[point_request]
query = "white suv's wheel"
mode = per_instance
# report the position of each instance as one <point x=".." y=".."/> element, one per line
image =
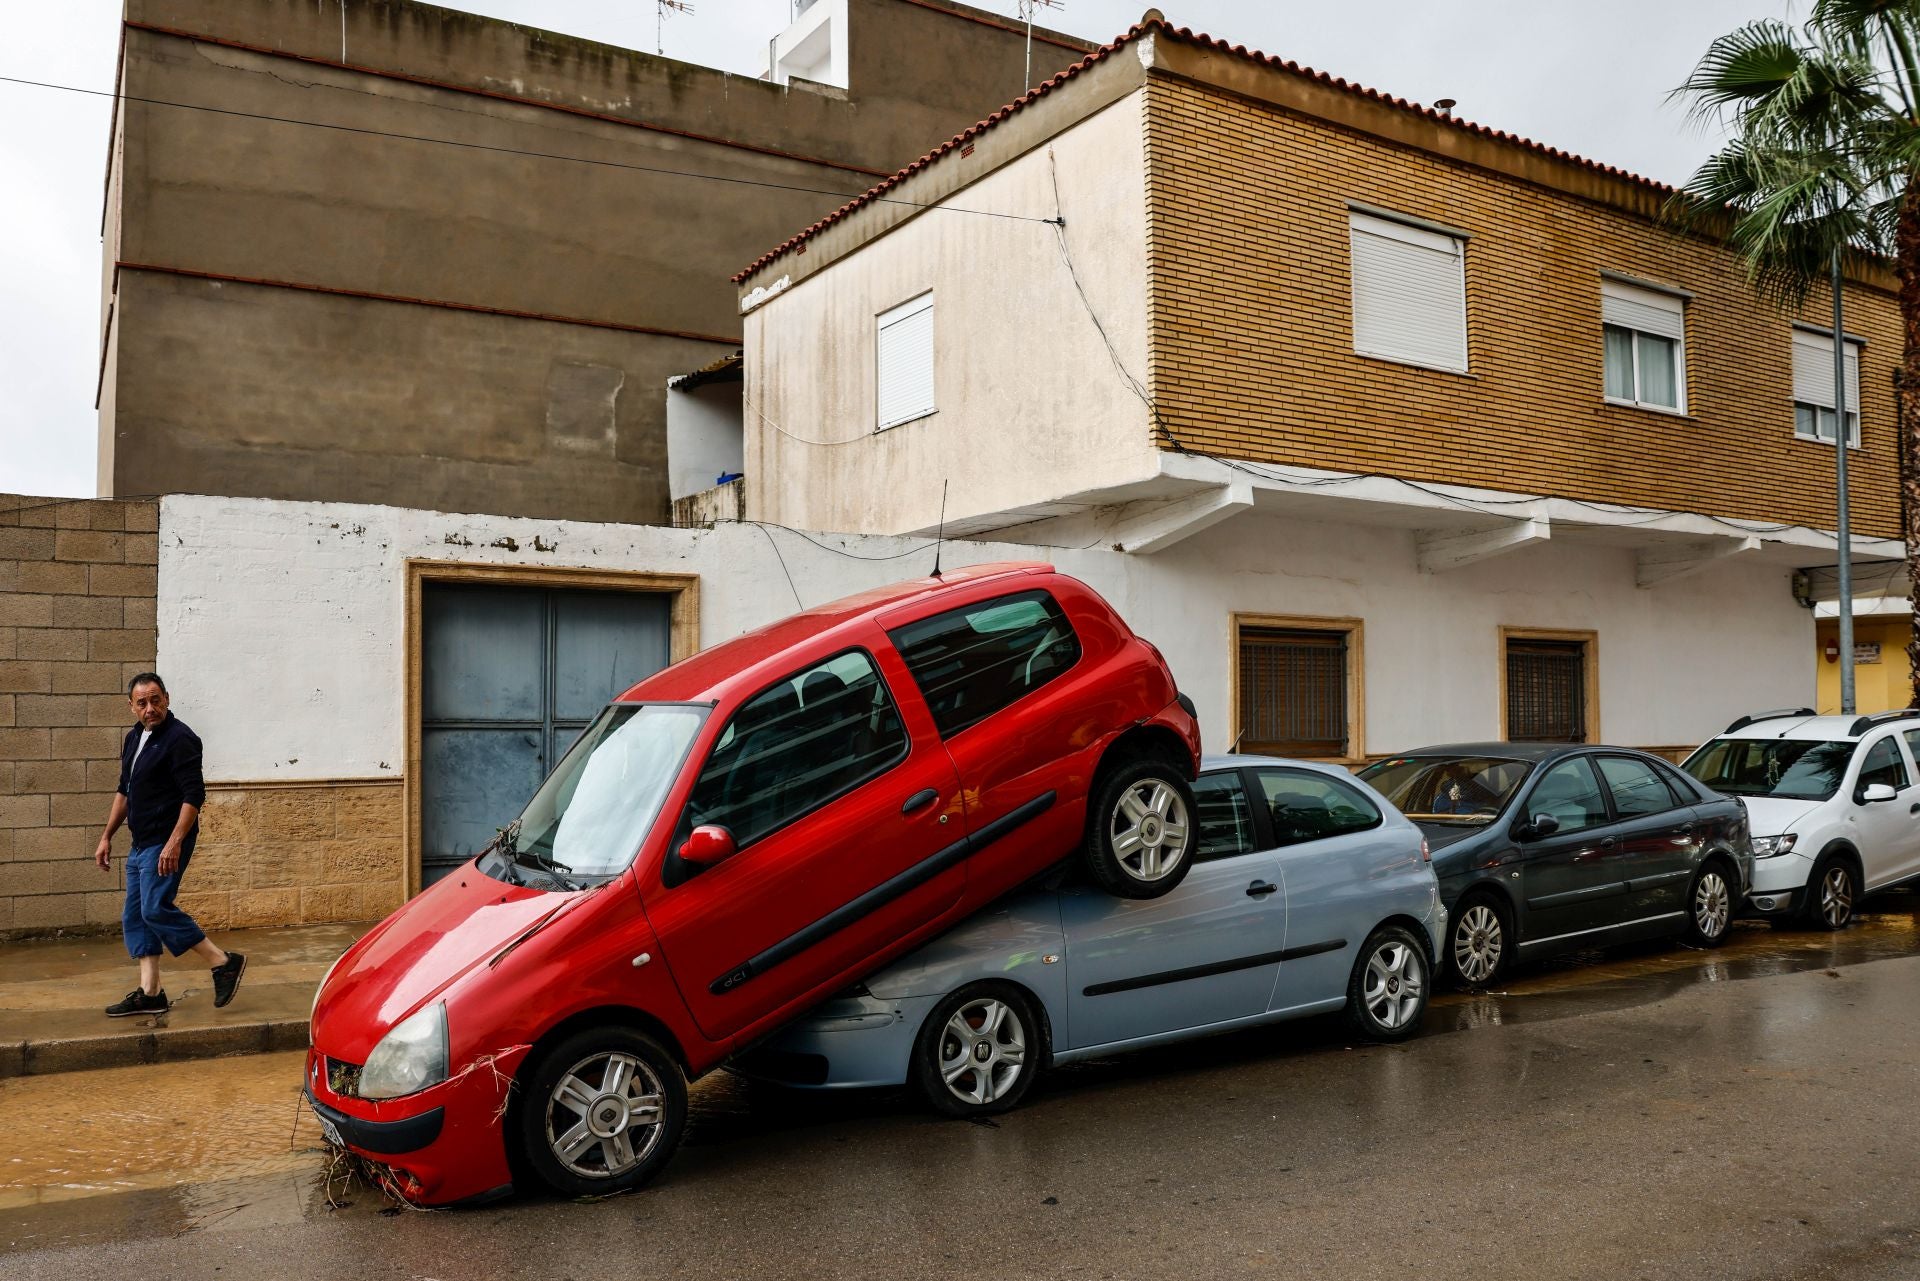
<point x="1831" y="894"/>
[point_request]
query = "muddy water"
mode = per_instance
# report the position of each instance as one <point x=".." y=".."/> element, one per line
<point x="129" y="1153"/>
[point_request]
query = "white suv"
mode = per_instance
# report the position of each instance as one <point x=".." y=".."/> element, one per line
<point x="1834" y="803"/>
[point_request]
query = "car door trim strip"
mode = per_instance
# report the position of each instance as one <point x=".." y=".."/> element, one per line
<point x="1601" y="929"/>
<point x="882" y="894"/>
<point x="1209" y="970"/>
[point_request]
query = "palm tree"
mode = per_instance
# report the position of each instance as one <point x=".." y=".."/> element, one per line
<point x="1823" y="162"/>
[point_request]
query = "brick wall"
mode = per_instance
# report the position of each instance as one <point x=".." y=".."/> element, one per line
<point x="1252" y="335"/>
<point x="286" y="854"/>
<point x="77" y="583"/>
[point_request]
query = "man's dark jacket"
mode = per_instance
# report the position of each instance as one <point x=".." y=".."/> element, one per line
<point x="166" y="776"/>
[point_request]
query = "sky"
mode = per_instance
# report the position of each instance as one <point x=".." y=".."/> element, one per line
<point x="1591" y="79"/>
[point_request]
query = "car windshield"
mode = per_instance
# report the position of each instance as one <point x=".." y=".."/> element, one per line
<point x="588" y="819"/>
<point x="1468" y="790"/>
<point x="1795" y="769"/>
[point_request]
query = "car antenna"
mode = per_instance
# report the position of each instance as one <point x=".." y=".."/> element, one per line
<point x="942" y="535"/>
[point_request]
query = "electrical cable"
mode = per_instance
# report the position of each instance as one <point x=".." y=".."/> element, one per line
<point x="513" y="151"/>
<point x="783" y="569"/>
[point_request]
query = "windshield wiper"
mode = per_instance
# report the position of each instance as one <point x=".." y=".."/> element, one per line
<point x="510" y="842"/>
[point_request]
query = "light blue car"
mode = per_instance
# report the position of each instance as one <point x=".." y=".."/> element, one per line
<point x="1309" y="893"/>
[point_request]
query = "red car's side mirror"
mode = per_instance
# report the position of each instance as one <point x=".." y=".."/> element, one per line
<point x="706" y="845"/>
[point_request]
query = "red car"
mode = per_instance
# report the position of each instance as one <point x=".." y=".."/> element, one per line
<point x="733" y="840"/>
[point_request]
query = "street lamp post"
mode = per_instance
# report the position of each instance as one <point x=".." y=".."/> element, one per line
<point x="1840" y="434"/>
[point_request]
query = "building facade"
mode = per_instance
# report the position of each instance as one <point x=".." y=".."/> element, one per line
<point x="1199" y="305"/>
<point x="378" y="251"/>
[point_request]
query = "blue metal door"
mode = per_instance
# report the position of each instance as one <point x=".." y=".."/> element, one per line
<point x="509" y="678"/>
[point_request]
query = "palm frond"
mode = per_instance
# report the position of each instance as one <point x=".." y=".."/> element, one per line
<point x="1750" y="62"/>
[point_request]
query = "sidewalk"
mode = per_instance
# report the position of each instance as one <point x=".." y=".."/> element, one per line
<point x="53" y="992"/>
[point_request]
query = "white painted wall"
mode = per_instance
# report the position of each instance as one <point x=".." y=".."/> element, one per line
<point x="1029" y="407"/>
<point x="281" y="624"/>
<point x="703" y="436"/>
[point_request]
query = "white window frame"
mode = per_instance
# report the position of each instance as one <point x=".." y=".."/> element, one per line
<point x="1645" y="296"/>
<point x="886" y="320"/>
<point x="1856" y="349"/>
<point x="1366" y="220"/>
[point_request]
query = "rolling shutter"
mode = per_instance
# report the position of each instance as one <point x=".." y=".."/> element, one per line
<point x="1813" y="371"/>
<point x="904" y="363"/>
<point x="1409" y="294"/>
<point x="1646" y="310"/>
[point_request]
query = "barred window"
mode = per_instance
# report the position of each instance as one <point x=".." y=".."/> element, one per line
<point x="1295" y="695"/>
<point x="1546" y="690"/>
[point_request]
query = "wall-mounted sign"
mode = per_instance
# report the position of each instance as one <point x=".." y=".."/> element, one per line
<point x="1866" y="652"/>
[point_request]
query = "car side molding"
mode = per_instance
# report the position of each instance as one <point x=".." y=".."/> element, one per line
<point x="882" y="894"/>
<point x="1209" y="970"/>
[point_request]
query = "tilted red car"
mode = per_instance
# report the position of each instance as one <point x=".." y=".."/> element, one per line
<point x="733" y="840"/>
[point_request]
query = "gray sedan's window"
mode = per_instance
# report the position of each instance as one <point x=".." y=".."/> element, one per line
<point x="1637" y="790"/>
<point x="1226" y="819"/>
<point x="1571" y="794"/>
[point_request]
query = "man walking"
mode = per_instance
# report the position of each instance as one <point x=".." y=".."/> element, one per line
<point x="159" y="798"/>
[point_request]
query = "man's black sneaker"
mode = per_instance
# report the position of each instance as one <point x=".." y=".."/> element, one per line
<point x="226" y="978"/>
<point x="138" y="1002"/>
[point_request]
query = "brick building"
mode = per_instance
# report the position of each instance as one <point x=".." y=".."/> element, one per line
<point x="1421" y="430"/>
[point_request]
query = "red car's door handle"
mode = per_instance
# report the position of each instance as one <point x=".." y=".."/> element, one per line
<point x="919" y="800"/>
<point x="1259" y="888"/>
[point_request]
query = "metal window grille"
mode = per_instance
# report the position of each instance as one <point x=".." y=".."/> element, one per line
<point x="1293" y="692"/>
<point x="1546" y="691"/>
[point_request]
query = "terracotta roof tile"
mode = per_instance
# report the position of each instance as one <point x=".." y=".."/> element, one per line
<point x="1155" y="23"/>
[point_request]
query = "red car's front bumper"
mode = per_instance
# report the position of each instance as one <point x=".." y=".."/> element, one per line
<point x="445" y="1144"/>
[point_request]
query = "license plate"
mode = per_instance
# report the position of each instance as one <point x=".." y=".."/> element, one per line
<point x="331" y="1131"/>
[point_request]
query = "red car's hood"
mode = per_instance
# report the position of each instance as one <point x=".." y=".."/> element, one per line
<point x="432" y="940"/>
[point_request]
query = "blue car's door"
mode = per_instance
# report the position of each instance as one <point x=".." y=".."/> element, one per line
<point x="1205" y="953"/>
<point x="1339" y="861"/>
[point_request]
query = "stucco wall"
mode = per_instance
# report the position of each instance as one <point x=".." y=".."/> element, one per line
<point x="1028" y="404"/>
<point x="316" y="590"/>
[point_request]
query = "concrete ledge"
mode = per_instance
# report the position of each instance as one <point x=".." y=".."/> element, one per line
<point x="151" y="1045"/>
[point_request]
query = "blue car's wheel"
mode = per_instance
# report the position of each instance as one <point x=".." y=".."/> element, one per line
<point x="980" y="1050"/>
<point x="1387" y="995"/>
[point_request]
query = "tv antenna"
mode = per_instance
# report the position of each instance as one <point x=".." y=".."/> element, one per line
<point x="1027" y="8"/>
<point x="660" y="11"/>
<point x="941" y="537"/>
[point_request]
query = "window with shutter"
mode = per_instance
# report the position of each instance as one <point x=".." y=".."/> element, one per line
<point x="903" y="363"/>
<point x="1547" y="683"/>
<point x="1645" y="344"/>
<point x="1409" y="294"/>
<point x="1296" y="694"/>
<point x="1813" y="386"/>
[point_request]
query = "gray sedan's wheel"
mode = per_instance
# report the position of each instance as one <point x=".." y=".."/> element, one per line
<point x="1140" y="831"/>
<point x="1479" y="942"/>
<point x="1387" y="994"/>
<point x="602" y="1112"/>
<point x="1830" y="895"/>
<point x="980" y="1050"/>
<point x="1709" y="907"/>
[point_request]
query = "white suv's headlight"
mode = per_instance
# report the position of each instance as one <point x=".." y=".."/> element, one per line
<point x="409" y="1058"/>
<point x="1770" y="846"/>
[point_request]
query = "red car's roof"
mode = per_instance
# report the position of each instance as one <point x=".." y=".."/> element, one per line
<point x="710" y="673"/>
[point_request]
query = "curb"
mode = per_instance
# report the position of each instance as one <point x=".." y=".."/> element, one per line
<point x="156" y="1045"/>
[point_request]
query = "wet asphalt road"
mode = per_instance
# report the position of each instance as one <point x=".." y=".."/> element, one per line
<point x="1652" y="1112"/>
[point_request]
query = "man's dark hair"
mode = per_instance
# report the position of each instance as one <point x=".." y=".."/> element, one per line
<point x="146" y="678"/>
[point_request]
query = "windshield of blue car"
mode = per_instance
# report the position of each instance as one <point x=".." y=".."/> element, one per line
<point x="1794" y="769"/>
<point x="588" y="819"/>
<point x="1468" y="790"/>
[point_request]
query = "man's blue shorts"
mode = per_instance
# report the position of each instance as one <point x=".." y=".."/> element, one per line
<point x="150" y="921"/>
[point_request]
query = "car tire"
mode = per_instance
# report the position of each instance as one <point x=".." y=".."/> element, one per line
<point x="1387" y="994"/>
<point x="1480" y="942"/>
<point x="980" y="1050"/>
<point x="1832" y="892"/>
<point x="1142" y="829"/>
<point x="1709" y="905"/>
<point x="602" y="1112"/>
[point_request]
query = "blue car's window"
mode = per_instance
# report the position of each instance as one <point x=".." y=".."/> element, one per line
<point x="1226" y="819"/>
<point x="1307" y="806"/>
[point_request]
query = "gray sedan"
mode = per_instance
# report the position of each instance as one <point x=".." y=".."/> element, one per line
<point x="1309" y="893"/>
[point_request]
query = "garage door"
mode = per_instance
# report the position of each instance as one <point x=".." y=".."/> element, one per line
<point x="509" y="678"/>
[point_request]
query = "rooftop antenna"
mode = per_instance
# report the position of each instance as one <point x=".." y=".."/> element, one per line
<point x="1026" y="13"/>
<point x="942" y="536"/>
<point x="660" y="8"/>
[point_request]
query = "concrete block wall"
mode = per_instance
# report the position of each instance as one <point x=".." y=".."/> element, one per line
<point x="297" y="854"/>
<point x="77" y="591"/>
